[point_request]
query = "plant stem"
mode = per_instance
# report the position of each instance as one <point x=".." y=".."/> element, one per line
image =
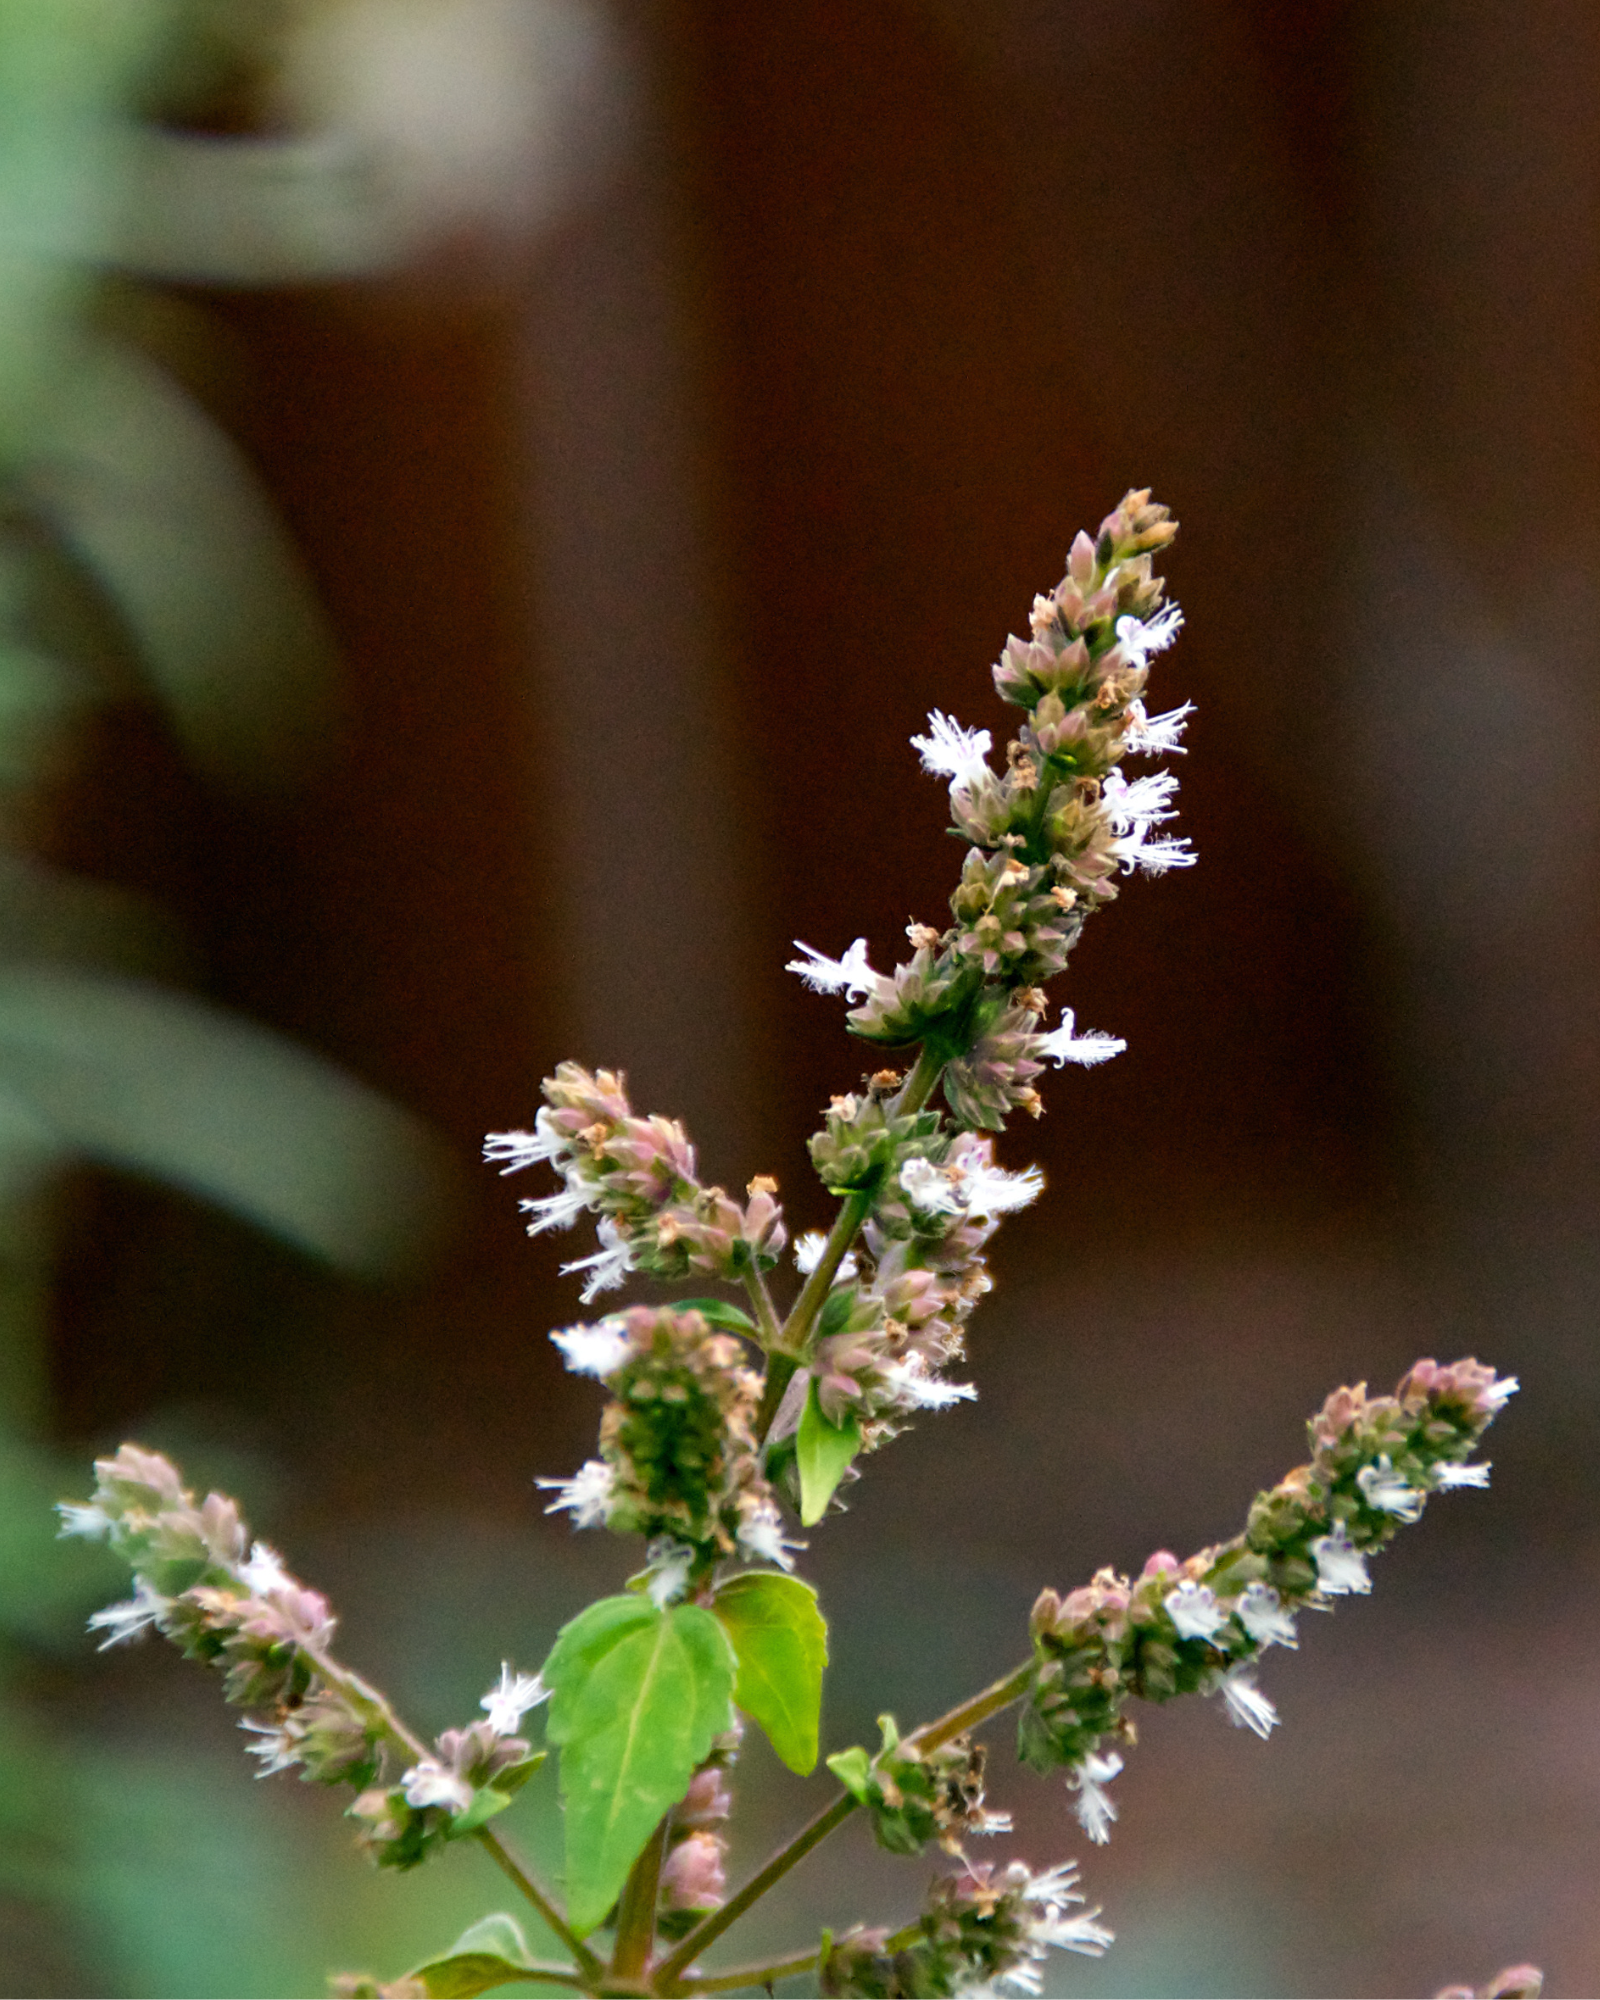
<point x="366" y="1700"/>
<point x="494" y="1844"/>
<point x="713" y="1926"/>
<point x="636" y="1912"/>
<point x="967" y="1715"/>
<point x="752" y="1975"/>
<point x="766" y="1313"/>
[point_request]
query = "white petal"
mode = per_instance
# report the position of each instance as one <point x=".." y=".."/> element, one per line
<point x="522" y="1149"/>
<point x="1139" y="638"/>
<point x="1194" y="1610"/>
<point x="850" y="974"/>
<point x="1341" y="1568"/>
<point x="1157" y="735"/>
<point x="1382" y="1487"/>
<point x="430" y="1784"/>
<point x="586" y="1495"/>
<point x="593" y="1350"/>
<point x="952" y="752"/>
<point x="557" y="1211"/>
<point x="509" y="1700"/>
<point x="1063" y="1046"/>
<point x="1248" y="1707"/>
<point x="1448" y="1477"/>
<point x="1260" y="1611"/>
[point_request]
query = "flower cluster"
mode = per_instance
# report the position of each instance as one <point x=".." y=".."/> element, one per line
<point x="897" y="1319"/>
<point x="199" y="1581"/>
<point x="987" y="1929"/>
<point x="638" y="1176"/>
<point x="694" y="1872"/>
<point x="914" y="1796"/>
<point x="1049" y="834"/>
<point x="1199" y="1626"/>
<point x="678" y="1459"/>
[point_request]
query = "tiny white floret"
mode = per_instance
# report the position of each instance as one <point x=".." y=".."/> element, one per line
<point x="430" y="1784"/>
<point x="609" y="1265"/>
<point x="125" y="1621"/>
<point x="950" y="751"/>
<point x="1194" y="1610"/>
<point x="850" y="974"/>
<point x="1095" y="1808"/>
<point x="509" y="1700"/>
<point x="1448" y="1477"/>
<point x="808" y="1251"/>
<point x="1341" y="1567"/>
<point x="1261" y="1612"/>
<point x="586" y="1496"/>
<point x="1063" y="1045"/>
<point x="1384" y="1488"/>
<point x="593" y="1350"/>
<point x="1140" y="637"/>
<point x="1248" y="1707"/>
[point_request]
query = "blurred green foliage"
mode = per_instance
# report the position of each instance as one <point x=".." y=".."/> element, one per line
<point x="138" y="558"/>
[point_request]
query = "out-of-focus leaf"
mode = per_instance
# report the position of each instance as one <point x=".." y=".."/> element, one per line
<point x="717" y="1312"/>
<point x="166" y="514"/>
<point x="251" y="211"/>
<point x="165" y="1085"/>
<point x="48" y="914"/>
<point x="492" y="1952"/>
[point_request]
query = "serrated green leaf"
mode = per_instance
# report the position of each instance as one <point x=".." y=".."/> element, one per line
<point x="492" y="1952"/>
<point x="719" y="1313"/>
<point x="781" y="1641"/>
<point x="639" y="1695"/>
<point x="850" y="1767"/>
<point x="824" y="1452"/>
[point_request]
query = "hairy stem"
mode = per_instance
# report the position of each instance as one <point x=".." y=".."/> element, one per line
<point x="636" y="1912"/>
<point x="766" y="1313"/>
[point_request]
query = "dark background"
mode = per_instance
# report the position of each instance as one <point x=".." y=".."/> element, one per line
<point x="649" y="536"/>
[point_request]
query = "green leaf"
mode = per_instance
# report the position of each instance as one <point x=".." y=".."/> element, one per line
<point x="639" y="1693"/>
<point x="493" y="1952"/>
<point x="719" y="1313"/>
<point x="850" y="1767"/>
<point x="824" y="1451"/>
<point x="487" y="1800"/>
<point x="781" y="1641"/>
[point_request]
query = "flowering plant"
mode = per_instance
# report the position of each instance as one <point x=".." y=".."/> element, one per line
<point x="724" y="1423"/>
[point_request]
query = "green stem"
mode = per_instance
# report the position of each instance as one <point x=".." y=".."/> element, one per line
<point x="766" y="1313"/>
<point x="365" y="1700"/>
<point x="967" y="1715"/>
<point x="636" y="1913"/>
<point x="712" y="1927"/>
<point x="752" y="1975"/>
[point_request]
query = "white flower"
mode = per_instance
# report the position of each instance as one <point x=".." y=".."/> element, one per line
<point x="1248" y="1707"/>
<point x="593" y="1350"/>
<point x="1499" y="1393"/>
<point x="264" y="1571"/>
<point x="1447" y="1477"/>
<point x="586" y="1495"/>
<point x="524" y="1149"/>
<point x="1341" y="1568"/>
<point x="430" y="1784"/>
<point x="1146" y="802"/>
<point x="1194" y="1610"/>
<point x="850" y="974"/>
<point x="509" y="1700"/>
<point x="988" y="1190"/>
<point x="911" y="1384"/>
<point x="669" y="1563"/>
<point x="1156" y="735"/>
<point x="950" y="751"/>
<point x="557" y="1211"/>
<point x="808" y="1251"/>
<point x="762" y="1538"/>
<point x="929" y="1189"/>
<point x="1155" y="857"/>
<point x="1063" y="1046"/>
<point x="1095" y="1809"/>
<point x="88" y="1520"/>
<point x="277" y="1748"/>
<point x="121" y="1622"/>
<point x="1260" y="1611"/>
<point x="1382" y="1487"/>
<point x="608" y="1266"/>
<point x="1139" y="637"/>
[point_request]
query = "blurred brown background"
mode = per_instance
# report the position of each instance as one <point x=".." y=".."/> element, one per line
<point x="650" y="529"/>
